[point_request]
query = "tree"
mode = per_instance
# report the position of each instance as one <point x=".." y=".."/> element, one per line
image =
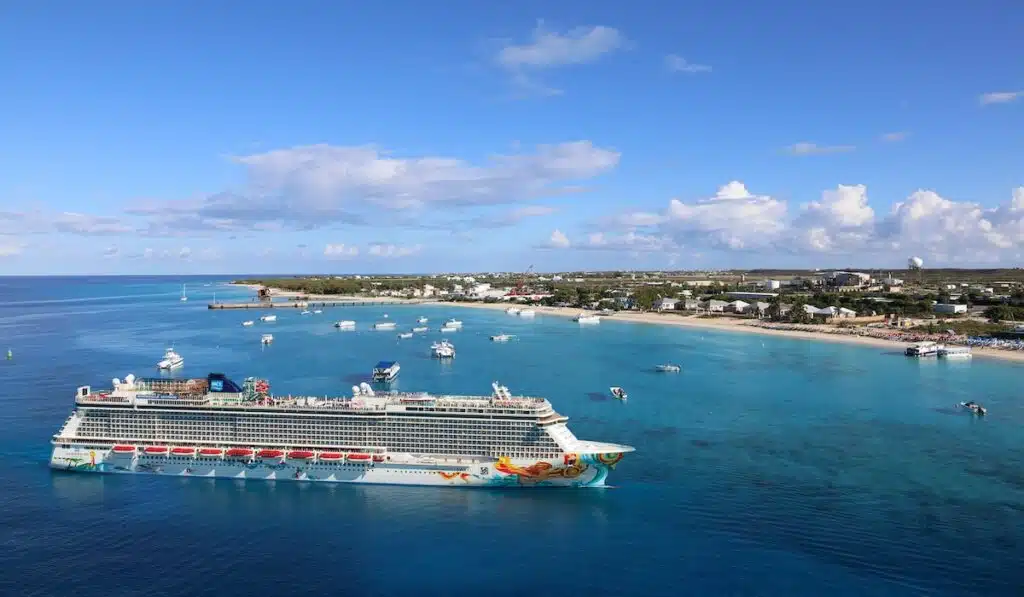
<point x="645" y="296"/>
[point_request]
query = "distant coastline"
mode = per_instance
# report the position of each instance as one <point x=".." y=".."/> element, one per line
<point x="745" y="326"/>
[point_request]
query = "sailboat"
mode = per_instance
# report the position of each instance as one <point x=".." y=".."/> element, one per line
<point x="183" y="297"/>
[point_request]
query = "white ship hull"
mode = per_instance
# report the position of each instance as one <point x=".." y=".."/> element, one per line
<point x="587" y="470"/>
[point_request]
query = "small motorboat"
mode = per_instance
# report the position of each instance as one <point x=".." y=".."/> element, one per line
<point x="345" y="325"/>
<point x="317" y="311"/>
<point x="421" y="320"/>
<point x="618" y="393"/>
<point x="171" y="360"/>
<point x="405" y="335"/>
<point x="267" y="338"/>
<point x="306" y="312"/>
<point x="443" y="350"/>
<point x="453" y="323"/>
<point x="266" y="318"/>
<point x="420" y="329"/>
<point x="974" y="407"/>
<point x="248" y="323"/>
<point x="501" y="338"/>
<point x="669" y="368"/>
<point x="384" y="325"/>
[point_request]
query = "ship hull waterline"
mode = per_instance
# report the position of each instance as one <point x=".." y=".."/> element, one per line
<point x="588" y="470"/>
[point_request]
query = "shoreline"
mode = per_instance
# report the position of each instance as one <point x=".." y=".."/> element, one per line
<point x="742" y="326"/>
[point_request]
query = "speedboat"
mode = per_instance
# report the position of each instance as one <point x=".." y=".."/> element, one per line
<point x="419" y="330"/>
<point x="453" y="323"/>
<point x="171" y="360"/>
<point x="405" y="335"/>
<point x="386" y="371"/>
<point x="669" y="368"/>
<point x="345" y="325"/>
<point x="501" y="338"/>
<point x="443" y="349"/>
<point x="306" y="312"/>
<point x="974" y="407"/>
<point x="267" y="338"/>
<point x="449" y="328"/>
<point x="421" y="320"/>
<point x="317" y="311"/>
<point x="248" y="323"/>
<point x="384" y="325"/>
<point x="527" y="313"/>
<point x="584" y="318"/>
<point x="618" y="393"/>
<point x="268" y="318"/>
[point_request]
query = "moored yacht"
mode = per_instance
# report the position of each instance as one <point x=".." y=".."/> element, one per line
<point x="421" y="320"/>
<point x="955" y="352"/>
<point x="453" y="323"/>
<point x="267" y="338"/>
<point x="502" y="338"/>
<point x="248" y="323"/>
<point x="345" y="325"/>
<point x="922" y="349"/>
<point x="384" y="325"/>
<point x="420" y="329"/>
<point x="268" y="318"/>
<point x="668" y="368"/>
<point x="585" y="318"/>
<point x="442" y="350"/>
<point x="171" y="360"/>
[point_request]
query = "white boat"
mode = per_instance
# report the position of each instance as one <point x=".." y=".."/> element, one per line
<point x="268" y="318"/>
<point x="512" y="310"/>
<point x="345" y="325"/>
<point x="974" y="407"/>
<point x="419" y="330"/>
<point x="306" y="312"/>
<point x="183" y="297"/>
<point x="669" y="368"/>
<point x="247" y="323"/>
<point x="922" y="349"/>
<point x="955" y="352"/>
<point x="171" y="360"/>
<point x="443" y="349"/>
<point x="453" y="323"/>
<point x="386" y="371"/>
<point x="384" y="325"/>
<point x="527" y="313"/>
<point x="502" y="338"/>
<point x="421" y="320"/>
<point x="448" y="328"/>
<point x="618" y="393"/>
<point x="584" y="318"/>
<point x="267" y="338"/>
<point x="317" y="311"/>
<point x="405" y="335"/>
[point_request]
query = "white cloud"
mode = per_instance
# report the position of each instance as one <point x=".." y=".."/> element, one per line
<point x="185" y="253"/>
<point x="895" y="137"/>
<point x="841" y="219"/>
<point x="558" y="239"/>
<point x="678" y="64"/>
<point x="386" y="250"/>
<point x="111" y="252"/>
<point x="550" y="49"/>
<point x="806" y="148"/>
<point x="340" y="251"/>
<point x="999" y="97"/>
<point x="509" y="218"/>
<point x="11" y="249"/>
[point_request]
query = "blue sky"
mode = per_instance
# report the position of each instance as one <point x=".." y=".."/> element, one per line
<point x="196" y="137"/>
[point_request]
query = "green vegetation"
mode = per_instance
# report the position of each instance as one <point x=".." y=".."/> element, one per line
<point x="333" y="285"/>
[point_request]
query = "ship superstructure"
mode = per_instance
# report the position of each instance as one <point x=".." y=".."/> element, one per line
<point x="214" y="427"/>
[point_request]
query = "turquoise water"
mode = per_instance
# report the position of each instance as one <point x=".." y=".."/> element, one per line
<point x="768" y="466"/>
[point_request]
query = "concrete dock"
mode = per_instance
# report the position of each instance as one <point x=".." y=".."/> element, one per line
<point x="308" y="304"/>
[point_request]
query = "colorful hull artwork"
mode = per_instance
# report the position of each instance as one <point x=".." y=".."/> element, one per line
<point x="572" y="470"/>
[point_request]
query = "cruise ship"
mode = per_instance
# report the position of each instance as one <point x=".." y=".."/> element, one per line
<point x="213" y="427"/>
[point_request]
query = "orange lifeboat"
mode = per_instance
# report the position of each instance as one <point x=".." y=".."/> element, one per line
<point x="356" y="456"/>
<point x="124" y="449"/>
<point x="330" y="455"/>
<point x="210" y="451"/>
<point x="270" y="453"/>
<point x="239" y="452"/>
<point x="156" y="449"/>
<point x="300" y="454"/>
<point x="378" y="458"/>
<point x="183" y="451"/>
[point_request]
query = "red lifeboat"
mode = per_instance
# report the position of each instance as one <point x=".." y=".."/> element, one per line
<point x="210" y="451"/>
<point x="156" y="449"/>
<point x="182" y="451"/>
<point x="378" y="458"/>
<point x="356" y="456"/>
<point x="239" y="452"/>
<point x="124" y="449"/>
<point x="300" y="454"/>
<point x="270" y="453"/>
<point x="331" y="455"/>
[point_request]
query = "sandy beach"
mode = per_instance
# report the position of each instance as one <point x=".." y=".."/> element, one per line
<point x="725" y="324"/>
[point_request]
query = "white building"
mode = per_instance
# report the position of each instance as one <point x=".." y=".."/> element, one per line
<point x="950" y="308"/>
<point x="771" y="284"/>
<point x="738" y="307"/>
<point x="665" y="304"/>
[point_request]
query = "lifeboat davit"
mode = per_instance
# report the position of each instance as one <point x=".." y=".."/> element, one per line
<point x="270" y="453"/>
<point x="239" y="452"/>
<point x="156" y="449"/>
<point x="182" y="451"/>
<point x="358" y="456"/>
<point x="124" y="449"/>
<point x="378" y="458"/>
<point x="210" y="451"/>
<point x="300" y="454"/>
<point x="330" y="455"/>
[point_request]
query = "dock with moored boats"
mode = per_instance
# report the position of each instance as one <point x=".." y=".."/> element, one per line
<point x="308" y="304"/>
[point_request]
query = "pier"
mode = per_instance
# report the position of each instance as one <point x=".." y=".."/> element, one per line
<point x="309" y="304"/>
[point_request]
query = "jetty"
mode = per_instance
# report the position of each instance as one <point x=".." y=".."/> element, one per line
<point x="309" y="304"/>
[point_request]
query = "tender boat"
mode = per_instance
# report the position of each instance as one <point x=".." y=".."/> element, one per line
<point x="211" y="451"/>
<point x="384" y="325"/>
<point x="443" y="349"/>
<point x="453" y="323"/>
<point x="267" y="338"/>
<point x="955" y="352"/>
<point x="300" y="454"/>
<point x="669" y="368"/>
<point x="422" y="320"/>
<point x="448" y="328"/>
<point x="248" y="323"/>
<point x="618" y="393"/>
<point x="306" y="312"/>
<point x="378" y="458"/>
<point x="501" y="338"/>
<point x="974" y="407"/>
<point x="331" y="455"/>
<point x="268" y="318"/>
<point x="317" y="311"/>
<point x="527" y="313"/>
<point x="386" y="371"/>
<point x="922" y="349"/>
<point x="270" y="453"/>
<point x="359" y="457"/>
<point x="124" y="449"/>
<point x="421" y="329"/>
<point x="405" y="335"/>
<point x="171" y="360"/>
<point x="155" y="449"/>
<point x="345" y="325"/>
<point x="183" y="451"/>
<point x="239" y="452"/>
<point x="584" y="318"/>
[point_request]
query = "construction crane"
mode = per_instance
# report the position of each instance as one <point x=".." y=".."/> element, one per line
<point x="520" y="288"/>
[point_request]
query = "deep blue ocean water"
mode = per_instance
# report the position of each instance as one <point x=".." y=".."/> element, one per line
<point x="768" y="466"/>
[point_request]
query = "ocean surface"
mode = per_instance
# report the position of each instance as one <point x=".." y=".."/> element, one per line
<point x="768" y="466"/>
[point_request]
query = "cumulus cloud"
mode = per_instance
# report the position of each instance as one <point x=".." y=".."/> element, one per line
<point x="340" y="251"/>
<point x="11" y="249"/>
<point x="678" y="64"/>
<point x="807" y="148"/>
<point x="999" y="97"/>
<point x="558" y="239"/>
<point x="841" y="221"/>
<point x="551" y="49"/>
<point x="388" y="250"/>
<point x="42" y="222"/>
